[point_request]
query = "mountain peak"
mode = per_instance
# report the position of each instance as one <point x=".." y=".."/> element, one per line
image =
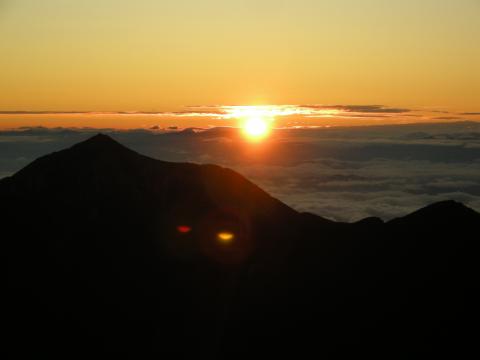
<point x="99" y="152"/>
<point x="101" y="137"/>
<point x="446" y="210"/>
<point x="103" y="168"/>
<point x="99" y="142"/>
<point x="446" y="206"/>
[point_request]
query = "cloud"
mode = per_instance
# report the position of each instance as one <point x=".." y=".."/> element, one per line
<point x="283" y="115"/>
<point x="229" y="111"/>
<point x="22" y="112"/>
<point x="341" y="173"/>
<point x="351" y="190"/>
<point x="448" y="118"/>
<point x="360" y="108"/>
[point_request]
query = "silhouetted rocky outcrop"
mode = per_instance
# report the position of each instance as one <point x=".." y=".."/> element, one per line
<point x="109" y="251"/>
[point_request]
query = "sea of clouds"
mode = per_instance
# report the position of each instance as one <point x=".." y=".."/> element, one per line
<point x="342" y="173"/>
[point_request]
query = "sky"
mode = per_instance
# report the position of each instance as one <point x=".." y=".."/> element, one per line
<point x="374" y="105"/>
<point x="163" y="56"/>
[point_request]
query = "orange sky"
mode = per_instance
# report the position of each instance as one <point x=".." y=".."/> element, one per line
<point x="115" y="55"/>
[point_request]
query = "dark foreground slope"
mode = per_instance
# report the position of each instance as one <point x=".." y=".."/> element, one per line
<point x="109" y="251"/>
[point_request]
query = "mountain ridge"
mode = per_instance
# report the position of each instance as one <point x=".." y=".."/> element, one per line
<point x="112" y="252"/>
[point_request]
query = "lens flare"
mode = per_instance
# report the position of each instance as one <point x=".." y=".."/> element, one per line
<point x="184" y="229"/>
<point x="225" y="237"/>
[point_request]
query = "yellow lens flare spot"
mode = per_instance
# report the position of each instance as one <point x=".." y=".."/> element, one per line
<point x="225" y="237"/>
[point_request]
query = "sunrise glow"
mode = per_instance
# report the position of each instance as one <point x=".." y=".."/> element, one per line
<point x="256" y="128"/>
<point x="255" y="121"/>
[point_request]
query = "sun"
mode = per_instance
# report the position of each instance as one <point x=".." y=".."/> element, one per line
<point x="256" y="127"/>
<point x="255" y="121"/>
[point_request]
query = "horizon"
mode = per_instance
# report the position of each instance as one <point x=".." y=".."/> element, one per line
<point x="281" y="116"/>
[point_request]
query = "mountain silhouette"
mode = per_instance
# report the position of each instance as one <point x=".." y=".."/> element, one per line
<point x="109" y="251"/>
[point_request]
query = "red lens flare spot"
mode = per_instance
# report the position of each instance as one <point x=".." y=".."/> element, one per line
<point x="184" y="229"/>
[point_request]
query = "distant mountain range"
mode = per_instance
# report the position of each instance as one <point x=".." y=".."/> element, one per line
<point x="109" y="251"/>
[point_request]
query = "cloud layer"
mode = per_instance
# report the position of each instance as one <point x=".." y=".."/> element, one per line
<point x="341" y="173"/>
<point x="282" y="116"/>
